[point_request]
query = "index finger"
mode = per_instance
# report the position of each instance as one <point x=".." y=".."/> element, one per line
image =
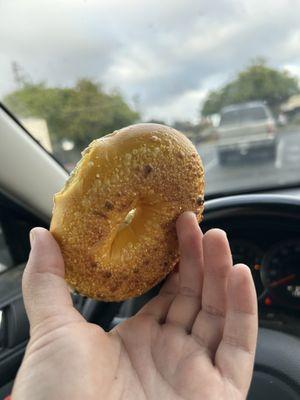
<point x="187" y="302"/>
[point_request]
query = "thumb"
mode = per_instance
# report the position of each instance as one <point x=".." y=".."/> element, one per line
<point x="46" y="294"/>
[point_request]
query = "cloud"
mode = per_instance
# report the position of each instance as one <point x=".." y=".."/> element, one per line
<point x="169" y="53"/>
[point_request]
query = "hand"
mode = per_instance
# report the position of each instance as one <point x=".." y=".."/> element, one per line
<point x="195" y="340"/>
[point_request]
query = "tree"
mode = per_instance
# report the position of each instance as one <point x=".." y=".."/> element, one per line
<point x="256" y="82"/>
<point x="80" y="114"/>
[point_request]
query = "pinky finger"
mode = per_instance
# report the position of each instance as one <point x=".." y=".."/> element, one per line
<point x="236" y="351"/>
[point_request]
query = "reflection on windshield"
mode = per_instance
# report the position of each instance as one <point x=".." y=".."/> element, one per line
<point x="183" y="69"/>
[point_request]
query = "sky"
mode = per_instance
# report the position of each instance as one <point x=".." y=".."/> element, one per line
<point x="163" y="55"/>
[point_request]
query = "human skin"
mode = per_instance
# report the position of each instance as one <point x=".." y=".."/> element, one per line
<point x="195" y="340"/>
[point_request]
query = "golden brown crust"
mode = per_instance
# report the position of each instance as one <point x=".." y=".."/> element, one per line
<point x="110" y="255"/>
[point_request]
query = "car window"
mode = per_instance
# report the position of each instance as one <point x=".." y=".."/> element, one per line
<point x="239" y="116"/>
<point x="93" y="67"/>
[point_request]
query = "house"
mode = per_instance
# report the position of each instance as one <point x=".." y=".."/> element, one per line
<point x="38" y="128"/>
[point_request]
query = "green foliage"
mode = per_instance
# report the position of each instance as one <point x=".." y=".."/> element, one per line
<point x="256" y="82"/>
<point x="81" y="113"/>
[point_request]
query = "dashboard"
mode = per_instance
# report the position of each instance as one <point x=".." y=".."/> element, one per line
<point x="275" y="268"/>
<point x="269" y="243"/>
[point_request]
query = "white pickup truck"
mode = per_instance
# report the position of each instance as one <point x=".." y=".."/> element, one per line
<point x="246" y="129"/>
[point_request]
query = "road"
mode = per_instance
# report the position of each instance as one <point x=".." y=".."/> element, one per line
<point x="253" y="173"/>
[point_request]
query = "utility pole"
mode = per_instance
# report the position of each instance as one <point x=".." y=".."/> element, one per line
<point x="18" y="73"/>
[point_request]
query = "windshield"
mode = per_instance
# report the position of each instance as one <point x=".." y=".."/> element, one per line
<point x="75" y="71"/>
<point x="242" y="115"/>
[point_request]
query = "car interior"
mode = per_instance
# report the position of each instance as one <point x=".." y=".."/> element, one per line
<point x="263" y="230"/>
<point x="226" y="74"/>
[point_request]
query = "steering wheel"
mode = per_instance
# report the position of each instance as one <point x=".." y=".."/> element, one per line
<point x="277" y="362"/>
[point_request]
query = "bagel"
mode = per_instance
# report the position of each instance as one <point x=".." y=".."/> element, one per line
<point x="114" y="220"/>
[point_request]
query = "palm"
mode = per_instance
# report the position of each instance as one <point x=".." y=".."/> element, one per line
<point x="169" y="362"/>
<point x="195" y="340"/>
<point x="169" y="365"/>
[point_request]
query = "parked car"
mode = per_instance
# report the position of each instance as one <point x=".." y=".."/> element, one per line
<point x="246" y="129"/>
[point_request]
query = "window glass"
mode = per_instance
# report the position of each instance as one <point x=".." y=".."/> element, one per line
<point x="72" y="72"/>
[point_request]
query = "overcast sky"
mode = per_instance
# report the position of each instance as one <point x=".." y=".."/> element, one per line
<point x="168" y="53"/>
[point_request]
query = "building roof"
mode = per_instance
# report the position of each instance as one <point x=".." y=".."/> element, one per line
<point x="39" y="130"/>
<point x="292" y="103"/>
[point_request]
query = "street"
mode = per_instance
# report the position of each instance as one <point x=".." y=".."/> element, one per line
<point x="253" y="173"/>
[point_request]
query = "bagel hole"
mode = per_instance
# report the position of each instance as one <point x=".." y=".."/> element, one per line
<point x="127" y="220"/>
<point x="124" y="234"/>
<point x="129" y="217"/>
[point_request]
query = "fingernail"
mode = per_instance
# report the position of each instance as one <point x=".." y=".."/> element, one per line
<point x="31" y="237"/>
<point x="190" y="213"/>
